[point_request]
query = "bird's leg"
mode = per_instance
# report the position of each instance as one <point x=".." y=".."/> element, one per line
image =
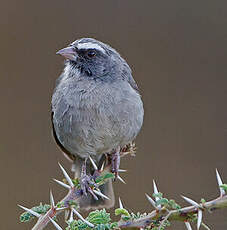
<point x="84" y="178"/>
<point x="115" y="163"/>
<point x="86" y="181"/>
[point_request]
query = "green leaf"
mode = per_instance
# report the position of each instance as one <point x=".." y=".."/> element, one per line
<point x="126" y="218"/>
<point x="203" y="200"/>
<point x="121" y="211"/>
<point x="60" y="204"/>
<point x="41" y="209"/>
<point x="113" y="225"/>
<point x="173" y="204"/>
<point x="224" y="186"/>
<point x="101" y="179"/>
<point x="76" y="181"/>
<point x="99" y="217"/>
<point x="157" y="195"/>
<point x="162" y="201"/>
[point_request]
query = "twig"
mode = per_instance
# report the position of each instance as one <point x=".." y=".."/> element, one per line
<point x="160" y="215"/>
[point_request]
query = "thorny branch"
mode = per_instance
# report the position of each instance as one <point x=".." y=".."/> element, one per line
<point x="165" y="211"/>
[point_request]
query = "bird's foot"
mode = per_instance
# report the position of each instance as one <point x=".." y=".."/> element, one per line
<point x="87" y="181"/>
<point x="130" y="149"/>
<point x="115" y="162"/>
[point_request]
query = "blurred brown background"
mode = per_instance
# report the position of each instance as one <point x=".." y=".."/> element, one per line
<point x="178" y="52"/>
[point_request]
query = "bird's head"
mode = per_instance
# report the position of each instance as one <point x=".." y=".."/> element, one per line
<point x="91" y="58"/>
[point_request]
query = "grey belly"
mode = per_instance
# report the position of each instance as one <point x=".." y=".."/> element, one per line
<point x="83" y="139"/>
<point x="94" y="135"/>
<point x="95" y="128"/>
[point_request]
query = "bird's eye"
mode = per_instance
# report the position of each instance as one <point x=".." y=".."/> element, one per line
<point x="91" y="53"/>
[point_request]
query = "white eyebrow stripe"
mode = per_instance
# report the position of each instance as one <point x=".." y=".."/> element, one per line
<point x="90" y="45"/>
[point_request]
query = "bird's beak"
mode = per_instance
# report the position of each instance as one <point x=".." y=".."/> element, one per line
<point x="68" y="53"/>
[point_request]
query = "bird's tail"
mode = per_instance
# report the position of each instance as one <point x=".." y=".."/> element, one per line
<point x="89" y="202"/>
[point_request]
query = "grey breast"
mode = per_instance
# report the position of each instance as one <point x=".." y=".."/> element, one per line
<point x="94" y="117"/>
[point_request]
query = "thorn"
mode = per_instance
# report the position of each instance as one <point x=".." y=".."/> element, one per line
<point x="59" y="209"/>
<point x="55" y="224"/>
<point x="71" y="217"/>
<point x="199" y="221"/>
<point x="92" y="193"/>
<point x="66" y="176"/>
<point x="122" y="170"/>
<point x="120" y="203"/>
<point x="120" y="179"/>
<point x="101" y="194"/>
<point x="102" y="167"/>
<point x="85" y="221"/>
<point x="192" y="202"/>
<point x="222" y="191"/>
<point x="188" y="226"/>
<point x="67" y="212"/>
<point x="93" y="163"/>
<point x="156" y="192"/>
<point x="62" y="184"/>
<point x="205" y="226"/>
<point x="52" y="200"/>
<point x="30" y="211"/>
<point x="151" y="200"/>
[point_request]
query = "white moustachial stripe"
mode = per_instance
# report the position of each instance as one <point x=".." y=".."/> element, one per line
<point x="90" y="45"/>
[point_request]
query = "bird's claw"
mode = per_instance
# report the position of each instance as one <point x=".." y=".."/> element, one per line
<point x="115" y="162"/>
<point x="87" y="181"/>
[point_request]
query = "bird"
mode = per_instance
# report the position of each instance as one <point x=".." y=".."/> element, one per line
<point x="96" y="108"/>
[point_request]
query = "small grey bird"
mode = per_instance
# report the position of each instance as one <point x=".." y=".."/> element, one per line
<point x="96" y="109"/>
